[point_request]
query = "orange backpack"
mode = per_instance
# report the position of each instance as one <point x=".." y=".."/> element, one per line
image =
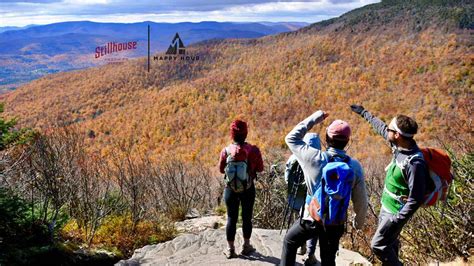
<point x="439" y="166"/>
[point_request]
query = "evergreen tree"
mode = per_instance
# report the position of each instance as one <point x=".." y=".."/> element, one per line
<point x="9" y="135"/>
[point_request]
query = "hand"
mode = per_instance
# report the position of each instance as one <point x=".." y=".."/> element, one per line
<point x="325" y="115"/>
<point x="358" y="109"/>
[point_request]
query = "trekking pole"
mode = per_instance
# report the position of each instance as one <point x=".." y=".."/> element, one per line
<point x="284" y="217"/>
<point x="287" y="208"/>
<point x="295" y="192"/>
<point x="293" y="199"/>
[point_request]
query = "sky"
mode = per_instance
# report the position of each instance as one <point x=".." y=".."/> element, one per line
<point x="27" y="12"/>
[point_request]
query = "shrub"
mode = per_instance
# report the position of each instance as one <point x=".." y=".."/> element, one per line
<point x="19" y="230"/>
<point x="270" y="201"/>
<point x="117" y="231"/>
<point x="221" y="209"/>
<point x="176" y="187"/>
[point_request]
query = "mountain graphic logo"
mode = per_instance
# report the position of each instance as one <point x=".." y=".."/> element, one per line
<point x="176" y="46"/>
<point x="176" y="52"/>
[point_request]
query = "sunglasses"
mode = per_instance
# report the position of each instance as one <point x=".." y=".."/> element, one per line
<point x="391" y="130"/>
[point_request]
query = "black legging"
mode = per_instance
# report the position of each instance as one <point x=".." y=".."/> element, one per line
<point x="232" y="201"/>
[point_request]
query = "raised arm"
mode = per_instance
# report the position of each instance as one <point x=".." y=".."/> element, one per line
<point x="379" y="126"/>
<point x="295" y="142"/>
<point x="308" y="157"/>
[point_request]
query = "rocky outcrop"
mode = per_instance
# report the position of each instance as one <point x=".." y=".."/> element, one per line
<point x="205" y="248"/>
<point x="198" y="225"/>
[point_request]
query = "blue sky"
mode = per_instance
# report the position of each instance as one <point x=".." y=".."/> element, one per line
<point x="25" y="12"/>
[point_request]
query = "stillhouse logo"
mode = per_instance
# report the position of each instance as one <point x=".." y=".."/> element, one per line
<point x="113" y="47"/>
<point x="109" y="52"/>
<point x="176" y="51"/>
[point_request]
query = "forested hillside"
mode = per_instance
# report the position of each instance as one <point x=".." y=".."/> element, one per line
<point x="390" y="57"/>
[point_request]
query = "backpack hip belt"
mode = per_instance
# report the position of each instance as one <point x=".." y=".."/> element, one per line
<point x="402" y="198"/>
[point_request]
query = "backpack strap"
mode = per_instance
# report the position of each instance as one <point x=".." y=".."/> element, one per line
<point x="229" y="159"/>
<point x="228" y="152"/>
<point x="327" y="156"/>
<point x="408" y="160"/>
<point x="402" y="199"/>
<point x="331" y="158"/>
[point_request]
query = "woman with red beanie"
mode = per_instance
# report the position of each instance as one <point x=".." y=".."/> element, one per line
<point x="240" y="151"/>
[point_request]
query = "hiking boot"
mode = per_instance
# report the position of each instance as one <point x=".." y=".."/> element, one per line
<point x="230" y="253"/>
<point x="310" y="260"/>
<point x="302" y="249"/>
<point x="247" y="250"/>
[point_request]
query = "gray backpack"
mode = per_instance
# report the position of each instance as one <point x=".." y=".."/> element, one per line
<point x="236" y="173"/>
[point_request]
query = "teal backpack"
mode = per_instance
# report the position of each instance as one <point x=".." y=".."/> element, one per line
<point x="236" y="173"/>
<point x="330" y="200"/>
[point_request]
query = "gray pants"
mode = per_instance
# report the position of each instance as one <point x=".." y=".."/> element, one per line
<point x="385" y="243"/>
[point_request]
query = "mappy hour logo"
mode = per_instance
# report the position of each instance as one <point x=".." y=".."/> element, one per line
<point x="176" y="51"/>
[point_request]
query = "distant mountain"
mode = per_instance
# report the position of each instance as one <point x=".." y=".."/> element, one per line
<point x="3" y="29"/>
<point x="29" y="53"/>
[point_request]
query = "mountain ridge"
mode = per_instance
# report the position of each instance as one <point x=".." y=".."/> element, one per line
<point x="440" y="13"/>
<point x="30" y="53"/>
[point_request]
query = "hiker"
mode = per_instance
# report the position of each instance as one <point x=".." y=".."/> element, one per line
<point x="313" y="162"/>
<point x="405" y="183"/>
<point x="297" y="193"/>
<point x="240" y="162"/>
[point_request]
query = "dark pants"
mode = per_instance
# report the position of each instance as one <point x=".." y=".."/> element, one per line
<point x="232" y="201"/>
<point x="312" y="242"/>
<point x="300" y="232"/>
<point x="385" y="243"/>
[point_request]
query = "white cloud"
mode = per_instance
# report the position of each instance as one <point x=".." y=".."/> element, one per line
<point x="87" y="2"/>
<point x="297" y="7"/>
<point x="117" y="11"/>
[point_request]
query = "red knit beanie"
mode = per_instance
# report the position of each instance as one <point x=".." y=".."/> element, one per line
<point x="238" y="130"/>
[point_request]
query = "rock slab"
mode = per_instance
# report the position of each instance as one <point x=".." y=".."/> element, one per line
<point x="206" y="248"/>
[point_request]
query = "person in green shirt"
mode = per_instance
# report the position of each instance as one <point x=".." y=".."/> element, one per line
<point x="405" y="183"/>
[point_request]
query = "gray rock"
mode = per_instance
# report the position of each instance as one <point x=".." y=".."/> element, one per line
<point x="200" y="224"/>
<point x="192" y="213"/>
<point x="206" y="249"/>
